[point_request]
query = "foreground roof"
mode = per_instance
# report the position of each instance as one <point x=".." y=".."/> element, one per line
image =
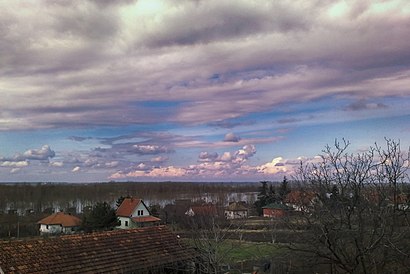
<point x="61" y="218"/>
<point x="128" y="206"/>
<point x="119" y="251"/>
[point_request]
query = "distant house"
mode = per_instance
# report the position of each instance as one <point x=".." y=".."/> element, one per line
<point x="300" y="200"/>
<point x="236" y="210"/>
<point x="142" y="250"/>
<point x="205" y="210"/>
<point x="134" y="213"/>
<point x="275" y="210"/>
<point x="59" y="223"/>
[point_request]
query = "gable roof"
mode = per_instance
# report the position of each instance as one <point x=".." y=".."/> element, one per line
<point x="236" y="207"/>
<point x="205" y="210"/>
<point x="60" y="218"/>
<point x="117" y="251"/>
<point x="128" y="206"/>
<point x="300" y="197"/>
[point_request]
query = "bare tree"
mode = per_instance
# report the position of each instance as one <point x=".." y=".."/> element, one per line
<point x="357" y="223"/>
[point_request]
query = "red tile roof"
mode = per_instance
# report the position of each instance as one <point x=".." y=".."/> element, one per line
<point x="204" y="210"/>
<point x="146" y="219"/>
<point x="118" y="251"/>
<point x="300" y="197"/>
<point x="61" y="218"/>
<point x="236" y="207"/>
<point x="128" y="206"/>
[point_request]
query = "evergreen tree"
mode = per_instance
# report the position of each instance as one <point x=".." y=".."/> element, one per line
<point x="120" y="200"/>
<point x="101" y="217"/>
<point x="265" y="196"/>
<point x="284" y="190"/>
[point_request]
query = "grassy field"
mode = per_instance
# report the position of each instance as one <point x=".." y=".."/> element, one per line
<point x="239" y="251"/>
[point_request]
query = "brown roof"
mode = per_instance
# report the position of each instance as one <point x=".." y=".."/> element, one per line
<point x="118" y="251"/>
<point x="236" y="207"/>
<point x="300" y="197"/>
<point x="146" y="219"/>
<point x="60" y="218"/>
<point x="204" y="210"/>
<point x="128" y="206"/>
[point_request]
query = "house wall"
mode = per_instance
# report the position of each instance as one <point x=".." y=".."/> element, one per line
<point x="123" y="223"/>
<point x="140" y="207"/>
<point x="57" y="229"/>
<point x="50" y="229"/>
<point x="235" y="214"/>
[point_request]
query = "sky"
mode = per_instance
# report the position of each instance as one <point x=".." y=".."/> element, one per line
<point x="192" y="90"/>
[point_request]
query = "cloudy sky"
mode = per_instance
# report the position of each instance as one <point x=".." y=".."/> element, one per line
<point x="210" y="90"/>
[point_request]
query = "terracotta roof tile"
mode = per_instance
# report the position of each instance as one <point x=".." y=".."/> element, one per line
<point x="61" y="218"/>
<point x="204" y="210"/>
<point x="236" y="207"/>
<point x="128" y="206"/>
<point x="146" y="219"/>
<point x="118" y="251"/>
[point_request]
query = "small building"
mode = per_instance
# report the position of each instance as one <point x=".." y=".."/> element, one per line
<point x="300" y="200"/>
<point x="59" y="223"/>
<point x="275" y="210"/>
<point x="134" y="213"/>
<point x="236" y="210"/>
<point x="142" y="250"/>
<point x="205" y="210"/>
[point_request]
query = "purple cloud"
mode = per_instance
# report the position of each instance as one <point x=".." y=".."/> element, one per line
<point x="231" y="137"/>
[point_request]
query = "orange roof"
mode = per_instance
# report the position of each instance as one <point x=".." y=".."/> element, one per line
<point x="146" y="219"/>
<point x="300" y="197"/>
<point x="140" y="250"/>
<point x="236" y="207"/>
<point x="204" y="210"/>
<point x="128" y="206"/>
<point x="60" y="218"/>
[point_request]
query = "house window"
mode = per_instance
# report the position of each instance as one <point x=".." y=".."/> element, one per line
<point x="119" y="222"/>
<point x="46" y="226"/>
<point x="126" y="223"/>
<point x="140" y="212"/>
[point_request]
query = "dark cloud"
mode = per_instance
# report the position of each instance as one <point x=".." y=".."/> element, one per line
<point x="230" y="20"/>
<point x="231" y="137"/>
<point x="79" y="139"/>
<point x="363" y="105"/>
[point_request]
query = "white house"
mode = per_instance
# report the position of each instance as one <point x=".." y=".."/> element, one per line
<point x="236" y="211"/>
<point x="59" y="223"/>
<point x="134" y="213"/>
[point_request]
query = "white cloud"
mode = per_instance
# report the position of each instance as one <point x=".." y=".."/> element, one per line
<point x="16" y="164"/>
<point x="276" y="166"/>
<point x="44" y="153"/>
<point x="76" y="169"/>
<point x="56" y="164"/>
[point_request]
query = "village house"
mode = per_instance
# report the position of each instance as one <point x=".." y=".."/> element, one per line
<point x="59" y="223"/>
<point x="142" y="250"/>
<point x="236" y="210"/>
<point x="205" y="210"/>
<point x="300" y="200"/>
<point x="275" y="210"/>
<point x="134" y="213"/>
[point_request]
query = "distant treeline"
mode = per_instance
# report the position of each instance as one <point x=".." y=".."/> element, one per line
<point x="39" y="196"/>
